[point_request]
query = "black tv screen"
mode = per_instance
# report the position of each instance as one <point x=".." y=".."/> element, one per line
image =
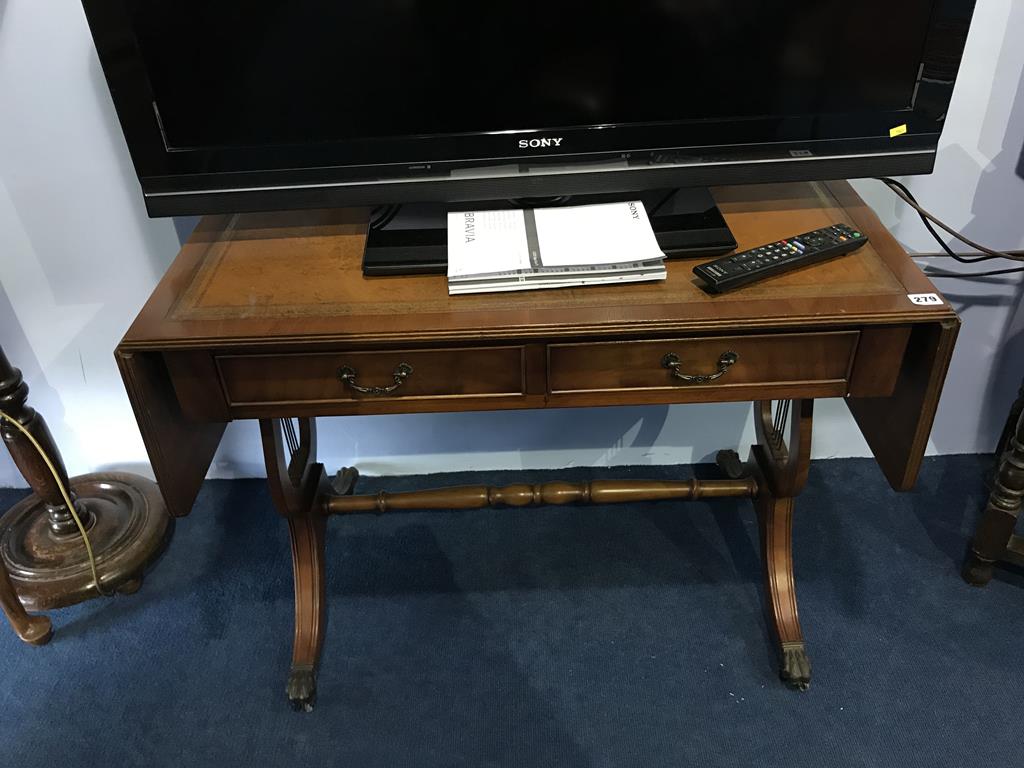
<point x="232" y="97"/>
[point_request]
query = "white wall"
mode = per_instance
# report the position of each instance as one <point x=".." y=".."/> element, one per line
<point x="78" y="257"/>
<point x="975" y="188"/>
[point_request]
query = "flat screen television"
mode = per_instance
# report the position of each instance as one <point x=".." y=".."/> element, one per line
<point x="241" y="105"/>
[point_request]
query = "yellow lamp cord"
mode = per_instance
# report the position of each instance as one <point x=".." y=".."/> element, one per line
<point x="65" y="494"/>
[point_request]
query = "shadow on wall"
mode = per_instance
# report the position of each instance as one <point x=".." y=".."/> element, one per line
<point x="42" y="396"/>
<point x="424" y="443"/>
<point x="998" y="183"/>
<point x="586" y="436"/>
<point x="1020" y="165"/>
<point x="156" y="250"/>
<point x="1009" y="367"/>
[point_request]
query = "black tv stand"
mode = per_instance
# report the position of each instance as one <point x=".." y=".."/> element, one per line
<point x="412" y="239"/>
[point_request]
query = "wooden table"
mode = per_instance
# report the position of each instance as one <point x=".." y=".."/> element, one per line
<point x="267" y="316"/>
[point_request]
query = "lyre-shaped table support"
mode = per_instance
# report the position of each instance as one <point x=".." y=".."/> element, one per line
<point x="775" y="474"/>
<point x="783" y="462"/>
<point x="296" y="483"/>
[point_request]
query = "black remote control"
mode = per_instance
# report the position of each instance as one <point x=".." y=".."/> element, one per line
<point x="747" y="267"/>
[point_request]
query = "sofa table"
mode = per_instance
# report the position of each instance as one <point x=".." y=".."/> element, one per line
<point x="268" y="316"/>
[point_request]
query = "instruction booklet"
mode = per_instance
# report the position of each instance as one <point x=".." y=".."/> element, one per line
<point x="519" y="250"/>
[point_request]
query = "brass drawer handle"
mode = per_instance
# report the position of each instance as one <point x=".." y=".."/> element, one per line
<point x="725" y="362"/>
<point x="348" y="375"/>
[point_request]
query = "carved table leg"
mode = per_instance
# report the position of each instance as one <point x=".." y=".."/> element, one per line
<point x="296" y="481"/>
<point x="307" y="536"/>
<point x="1016" y="411"/>
<point x="783" y="469"/>
<point x="776" y="519"/>
<point x="1000" y="516"/>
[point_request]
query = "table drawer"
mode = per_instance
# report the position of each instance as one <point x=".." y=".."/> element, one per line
<point x="718" y="362"/>
<point x="372" y="376"/>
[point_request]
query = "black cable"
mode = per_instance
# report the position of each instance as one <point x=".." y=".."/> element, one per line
<point x="927" y="218"/>
<point x="661" y="204"/>
<point x="383" y="215"/>
<point x="993" y="273"/>
<point x="897" y="187"/>
<point x="553" y="201"/>
<point x="905" y="194"/>
<point x="928" y="225"/>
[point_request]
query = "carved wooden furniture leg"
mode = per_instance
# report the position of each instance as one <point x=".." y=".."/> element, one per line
<point x="34" y="630"/>
<point x="782" y="466"/>
<point x="1016" y="411"/>
<point x="307" y="531"/>
<point x="296" y="481"/>
<point x="40" y="544"/>
<point x="994" y="539"/>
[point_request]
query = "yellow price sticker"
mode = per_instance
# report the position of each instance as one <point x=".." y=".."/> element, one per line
<point x="899" y="130"/>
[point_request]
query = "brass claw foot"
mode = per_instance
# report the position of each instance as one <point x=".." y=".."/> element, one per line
<point x="302" y="688"/>
<point x="796" y="667"/>
<point x="730" y="464"/>
<point x="344" y="482"/>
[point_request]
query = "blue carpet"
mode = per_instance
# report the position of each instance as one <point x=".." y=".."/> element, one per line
<point x="630" y="636"/>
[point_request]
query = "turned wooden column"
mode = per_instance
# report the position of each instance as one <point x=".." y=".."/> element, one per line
<point x="35" y="630"/>
<point x="14" y="402"/>
<point x="41" y="545"/>
<point x="993" y="540"/>
<point x="1016" y="411"/>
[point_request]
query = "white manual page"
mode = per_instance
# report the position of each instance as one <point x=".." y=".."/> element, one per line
<point x="609" y="233"/>
<point x="484" y="242"/>
<point x="549" y="240"/>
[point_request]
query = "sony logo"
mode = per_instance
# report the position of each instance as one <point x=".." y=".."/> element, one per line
<point x="537" y="143"/>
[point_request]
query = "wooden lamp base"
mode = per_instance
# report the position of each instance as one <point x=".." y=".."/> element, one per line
<point x="128" y="527"/>
<point x="44" y="562"/>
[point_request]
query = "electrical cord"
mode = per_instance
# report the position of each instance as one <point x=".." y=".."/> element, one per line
<point x="931" y="272"/>
<point x="661" y="204"/>
<point x="65" y="494"/>
<point x="907" y="197"/>
<point x="383" y="215"/>
<point x="928" y="218"/>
